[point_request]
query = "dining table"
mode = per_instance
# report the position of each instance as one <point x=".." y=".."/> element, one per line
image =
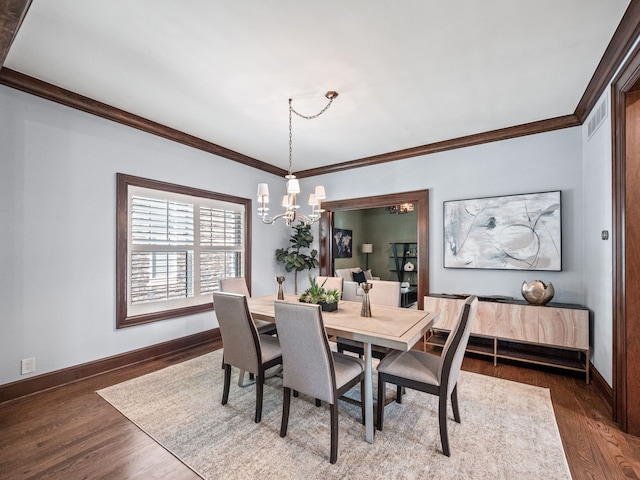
<point x="393" y="327"/>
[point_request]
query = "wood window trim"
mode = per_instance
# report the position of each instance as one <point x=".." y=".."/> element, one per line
<point x="124" y="181"/>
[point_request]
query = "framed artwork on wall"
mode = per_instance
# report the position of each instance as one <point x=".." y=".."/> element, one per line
<point x="512" y="232"/>
<point x="342" y="243"/>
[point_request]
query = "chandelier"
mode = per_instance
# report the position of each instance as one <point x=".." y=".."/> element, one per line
<point x="289" y="201"/>
<point x="400" y="209"/>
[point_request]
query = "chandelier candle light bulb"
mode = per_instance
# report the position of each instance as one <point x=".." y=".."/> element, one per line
<point x="289" y="201"/>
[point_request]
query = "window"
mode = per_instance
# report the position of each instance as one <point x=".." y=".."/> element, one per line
<point x="174" y="244"/>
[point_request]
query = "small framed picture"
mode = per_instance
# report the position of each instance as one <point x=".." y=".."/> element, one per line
<point x="342" y="243"/>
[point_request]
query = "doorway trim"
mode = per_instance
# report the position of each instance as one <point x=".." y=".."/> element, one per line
<point x="418" y="197"/>
<point x="622" y="84"/>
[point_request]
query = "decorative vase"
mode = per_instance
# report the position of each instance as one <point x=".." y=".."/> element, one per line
<point x="537" y="293"/>
<point x="280" y="279"/>
<point x="366" y="305"/>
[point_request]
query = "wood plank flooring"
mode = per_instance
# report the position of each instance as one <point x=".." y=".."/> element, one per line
<point x="71" y="433"/>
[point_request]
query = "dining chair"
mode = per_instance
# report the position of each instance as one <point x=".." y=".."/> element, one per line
<point x="429" y="373"/>
<point x="330" y="283"/>
<point x="243" y="347"/>
<point x="383" y="293"/>
<point x="239" y="285"/>
<point x="309" y="365"/>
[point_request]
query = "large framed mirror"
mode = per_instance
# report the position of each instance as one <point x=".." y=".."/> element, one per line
<point x="419" y="199"/>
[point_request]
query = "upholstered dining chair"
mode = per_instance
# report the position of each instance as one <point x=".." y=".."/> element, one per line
<point x="309" y="365"/>
<point x="239" y="285"/>
<point x="429" y="373"/>
<point x="243" y="346"/>
<point x="385" y="293"/>
<point x="382" y="293"/>
<point x="330" y="283"/>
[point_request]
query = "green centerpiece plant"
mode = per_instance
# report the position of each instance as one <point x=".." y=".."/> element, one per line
<point x="316" y="293"/>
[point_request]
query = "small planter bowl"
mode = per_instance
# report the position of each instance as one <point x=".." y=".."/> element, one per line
<point x="329" y="307"/>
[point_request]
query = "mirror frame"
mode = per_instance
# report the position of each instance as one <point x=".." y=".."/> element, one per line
<point x="418" y="197"/>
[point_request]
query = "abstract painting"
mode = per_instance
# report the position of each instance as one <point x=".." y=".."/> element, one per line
<point x="342" y="243"/>
<point x="513" y="232"/>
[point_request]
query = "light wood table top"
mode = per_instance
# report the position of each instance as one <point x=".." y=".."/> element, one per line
<point x="393" y="327"/>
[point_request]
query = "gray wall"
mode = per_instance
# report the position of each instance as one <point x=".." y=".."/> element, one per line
<point x="57" y="211"/>
<point x="58" y="241"/>
<point x="378" y="227"/>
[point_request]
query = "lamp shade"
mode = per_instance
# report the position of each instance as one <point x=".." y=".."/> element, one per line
<point x="313" y="200"/>
<point x="320" y="193"/>
<point x="367" y="248"/>
<point x="263" y="192"/>
<point x="293" y="186"/>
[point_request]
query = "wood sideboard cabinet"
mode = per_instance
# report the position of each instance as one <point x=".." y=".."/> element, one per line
<point x="555" y="335"/>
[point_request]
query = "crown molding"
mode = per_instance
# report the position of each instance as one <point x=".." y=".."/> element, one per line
<point x="45" y="90"/>
<point x="455" y="143"/>
<point x="619" y="47"/>
<point x="12" y="13"/>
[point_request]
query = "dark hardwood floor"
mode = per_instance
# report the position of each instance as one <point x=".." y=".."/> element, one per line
<point x="71" y="433"/>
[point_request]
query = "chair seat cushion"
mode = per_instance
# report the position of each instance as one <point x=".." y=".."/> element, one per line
<point x="270" y="347"/>
<point x="346" y="368"/>
<point x="414" y="365"/>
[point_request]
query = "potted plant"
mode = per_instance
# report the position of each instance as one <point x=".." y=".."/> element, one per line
<point x="327" y="299"/>
<point x="294" y="258"/>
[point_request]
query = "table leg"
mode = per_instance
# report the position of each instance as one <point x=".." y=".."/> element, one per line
<point x="368" y="394"/>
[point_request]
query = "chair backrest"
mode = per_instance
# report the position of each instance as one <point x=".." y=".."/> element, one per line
<point x="385" y="293"/>
<point x="307" y="362"/>
<point x="329" y="283"/>
<point x="240" y="339"/>
<point x="235" y="285"/>
<point x="456" y="344"/>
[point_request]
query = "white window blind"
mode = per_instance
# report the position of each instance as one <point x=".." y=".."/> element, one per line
<point x="173" y="263"/>
<point x="222" y="249"/>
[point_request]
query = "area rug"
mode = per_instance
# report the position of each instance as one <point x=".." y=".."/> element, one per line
<point x="508" y="430"/>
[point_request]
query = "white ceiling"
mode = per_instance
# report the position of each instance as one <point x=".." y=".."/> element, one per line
<point x="409" y="72"/>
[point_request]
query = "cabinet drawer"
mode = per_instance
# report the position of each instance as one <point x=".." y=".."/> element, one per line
<point x="564" y="327"/>
<point x="449" y="310"/>
<point x="511" y="322"/>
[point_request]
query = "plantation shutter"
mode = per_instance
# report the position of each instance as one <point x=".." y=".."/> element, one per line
<point x="159" y="270"/>
<point x="222" y="245"/>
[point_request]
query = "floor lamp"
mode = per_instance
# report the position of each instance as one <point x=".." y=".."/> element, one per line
<point x="367" y="248"/>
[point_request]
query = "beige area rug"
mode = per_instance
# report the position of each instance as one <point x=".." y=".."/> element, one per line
<point x="508" y="430"/>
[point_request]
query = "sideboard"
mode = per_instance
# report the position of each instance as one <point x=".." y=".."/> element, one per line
<point x="554" y="335"/>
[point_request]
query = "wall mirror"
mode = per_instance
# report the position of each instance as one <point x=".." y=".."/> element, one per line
<point x="419" y="199"/>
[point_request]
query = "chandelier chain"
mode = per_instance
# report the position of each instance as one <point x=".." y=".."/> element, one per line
<point x="306" y="117"/>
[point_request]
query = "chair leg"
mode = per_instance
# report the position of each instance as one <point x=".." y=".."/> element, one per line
<point x="454" y="404"/>
<point x="442" y="414"/>
<point x="334" y="433"/>
<point x="259" y="392"/>
<point x="227" y="383"/>
<point x="286" y="402"/>
<point x="318" y="403"/>
<point x="362" y="412"/>
<point x="381" y="401"/>
<point x="399" y="392"/>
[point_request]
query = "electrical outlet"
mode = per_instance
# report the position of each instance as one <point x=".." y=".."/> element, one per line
<point x="28" y="365"/>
